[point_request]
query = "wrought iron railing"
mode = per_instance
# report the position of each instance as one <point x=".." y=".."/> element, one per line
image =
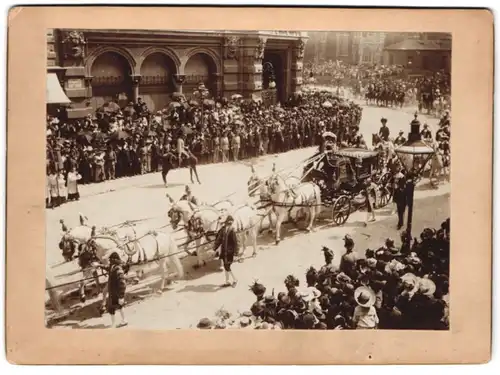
<point x="108" y="81"/>
<point x="155" y="80"/>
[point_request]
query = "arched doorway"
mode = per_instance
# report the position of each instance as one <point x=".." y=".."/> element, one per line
<point x="111" y="80"/>
<point x="157" y="80"/>
<point x="273" y="70"/>
<point x="200" y="68"/>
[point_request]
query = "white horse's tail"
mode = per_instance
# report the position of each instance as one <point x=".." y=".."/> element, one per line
<point x="54" y="295"/>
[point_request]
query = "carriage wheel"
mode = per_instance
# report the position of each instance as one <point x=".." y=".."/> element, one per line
<point x="385" y="197"/>
<point x="384" y="179"/>
<point x="341" y="209"/>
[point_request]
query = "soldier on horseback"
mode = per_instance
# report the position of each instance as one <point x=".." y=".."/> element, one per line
<point x="384" y="131"/>
<point x="188" y="196"/>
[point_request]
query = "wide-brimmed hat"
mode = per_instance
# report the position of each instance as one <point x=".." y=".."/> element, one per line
<point x="364" y="296"/>
<point x="371" y="262"/>
<point x="310" y="294"/>
<point x="413" y="259"/>
<point x="427" y="287"/>
<point x="394" y="266"/>
<point x="205" y="323"/>
<point x="343" y="278"/>
<point x="411" y="279"/>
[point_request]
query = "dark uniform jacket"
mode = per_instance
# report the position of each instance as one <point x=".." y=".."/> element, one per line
<point x="116" y="283"/>
<point x="228" y="242"/>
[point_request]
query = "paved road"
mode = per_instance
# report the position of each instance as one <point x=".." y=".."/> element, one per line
<point x="144" y="197"/>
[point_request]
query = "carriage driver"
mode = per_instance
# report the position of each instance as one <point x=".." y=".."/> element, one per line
<point x="400" y="139"/>
<point x="426" y="133"/>
<point x="329" y="141"/>
<point x="188" y="196"/>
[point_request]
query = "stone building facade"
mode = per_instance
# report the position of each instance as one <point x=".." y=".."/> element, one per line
<point x="96" y="66"/>
<point x="369" y="47"/>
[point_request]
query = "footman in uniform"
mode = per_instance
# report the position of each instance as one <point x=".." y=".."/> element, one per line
<point x="116" y="288"/>
<point x="228" y="242"/>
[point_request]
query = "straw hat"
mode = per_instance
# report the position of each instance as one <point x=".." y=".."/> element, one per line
<point x="205" y="323"/>
<point x="310" y="294"/>
<point x="427" y="287"/>
<point x="411" y="279"/>
<point x="364" y="296"/>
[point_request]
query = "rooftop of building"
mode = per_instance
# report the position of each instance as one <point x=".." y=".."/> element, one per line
<point x="420" y="45"/>
<point x="268" y="33"/>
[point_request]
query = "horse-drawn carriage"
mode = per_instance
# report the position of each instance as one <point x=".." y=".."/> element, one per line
<point x="344" y="176"/>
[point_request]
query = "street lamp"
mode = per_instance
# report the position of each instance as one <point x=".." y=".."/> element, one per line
<point x="413" y="155"/>
<point x="201" y="94"/>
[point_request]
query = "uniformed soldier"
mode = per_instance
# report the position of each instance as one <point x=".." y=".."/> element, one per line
<point x="400" y="139"/>
<point x="426" y="133"/>
<point x="400" y="198"/>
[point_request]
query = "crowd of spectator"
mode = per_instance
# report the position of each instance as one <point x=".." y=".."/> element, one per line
<point x="119" y="142"/>
<point x="391" y="287"/>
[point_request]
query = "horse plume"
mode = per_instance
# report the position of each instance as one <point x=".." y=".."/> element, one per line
<point x="63" y="226"/>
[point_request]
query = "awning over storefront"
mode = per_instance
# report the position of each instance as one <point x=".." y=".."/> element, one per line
<point x="55" y="93"/>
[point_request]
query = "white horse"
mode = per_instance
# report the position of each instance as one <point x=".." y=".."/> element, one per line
<point x="260" y="198"/>
<point x="73" y="238"/>
<point x="437" y="168"/>
<point x="305" y="196"/>
<point x="50" y="285"/>
<point x="71" y="243"/>
<point x="155" y="246"/>
<point x="247" y="226"/>
<point x="197" y="219"/>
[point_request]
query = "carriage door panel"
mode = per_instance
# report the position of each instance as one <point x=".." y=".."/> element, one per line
<point x="343" y="172"/>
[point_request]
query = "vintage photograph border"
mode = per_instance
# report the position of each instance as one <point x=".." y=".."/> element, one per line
<point x="469" y="339"/>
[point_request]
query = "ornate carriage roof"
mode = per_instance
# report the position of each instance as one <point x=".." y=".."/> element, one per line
<point x="353" y="152"/>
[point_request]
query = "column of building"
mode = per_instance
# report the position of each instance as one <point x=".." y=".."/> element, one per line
<point x="297" y="65"/>
<point x="76" y="84"/>
<point x="252" y="53"/>
<point x="233" y="56"/>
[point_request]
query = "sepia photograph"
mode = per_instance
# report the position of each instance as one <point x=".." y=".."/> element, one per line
<point x="276" y="180"/>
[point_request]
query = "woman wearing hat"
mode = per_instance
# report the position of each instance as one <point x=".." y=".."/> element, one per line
<point x="365" y="316"/>
<point x="228" y="242"/>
